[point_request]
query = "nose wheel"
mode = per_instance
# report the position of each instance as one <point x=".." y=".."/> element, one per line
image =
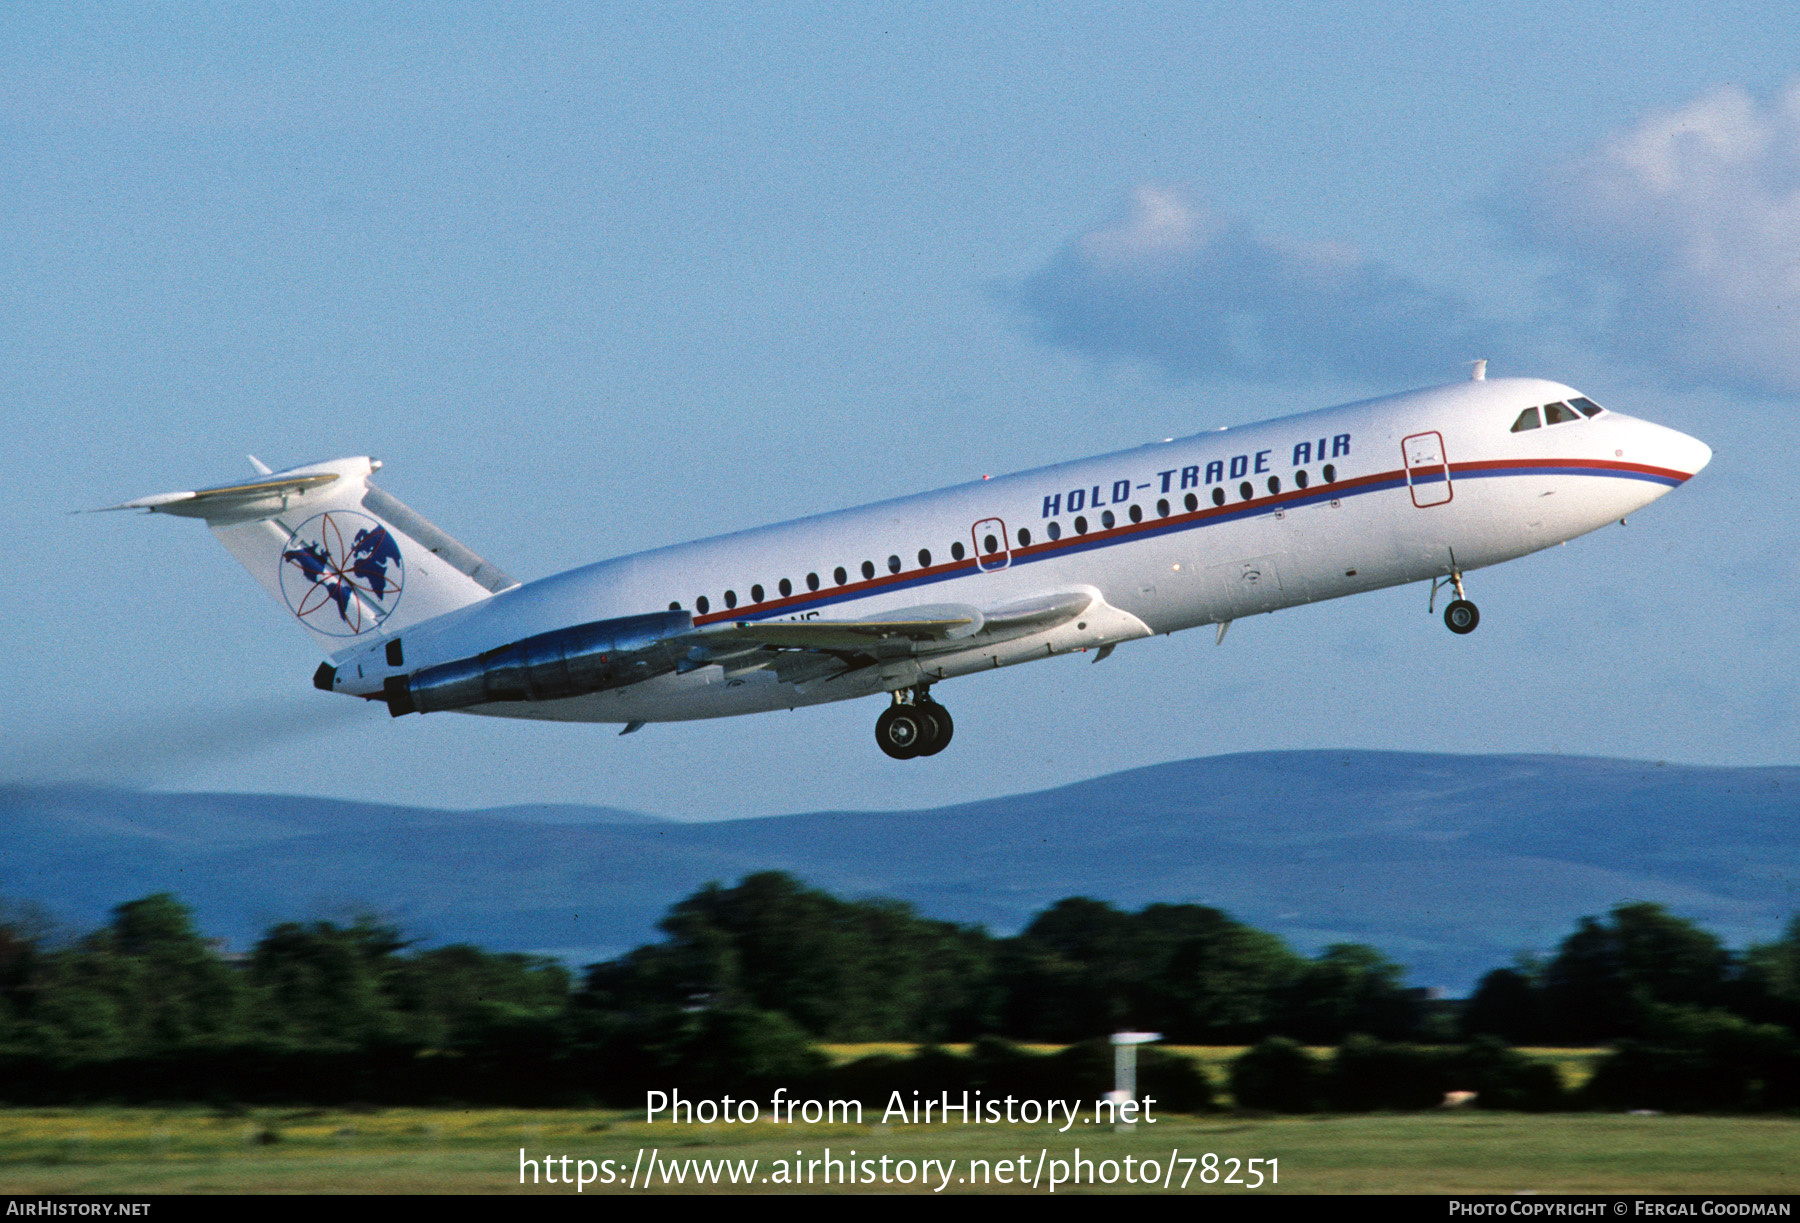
<point x="1460" y="615"/>
<point x="914" y="725"/>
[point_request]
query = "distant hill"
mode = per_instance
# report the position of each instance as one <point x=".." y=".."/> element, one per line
<point x="1450" y="864"/>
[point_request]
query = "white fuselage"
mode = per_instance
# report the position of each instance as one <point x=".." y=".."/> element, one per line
<point x="1348" y="499"/>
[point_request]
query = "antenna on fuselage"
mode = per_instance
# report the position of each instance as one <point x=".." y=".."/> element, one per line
<point x="1478" y="370"/>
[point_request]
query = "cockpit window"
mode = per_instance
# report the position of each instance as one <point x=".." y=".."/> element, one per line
<point x="1560" y="414"/>
<point x="1586" y="406"/>
<point x="1528" y="419"/>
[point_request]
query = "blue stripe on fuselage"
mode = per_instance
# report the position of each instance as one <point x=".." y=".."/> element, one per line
<point x="1133" y="532"/>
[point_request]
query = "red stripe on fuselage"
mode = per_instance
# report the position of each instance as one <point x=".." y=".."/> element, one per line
<point x="1272" y="501"/>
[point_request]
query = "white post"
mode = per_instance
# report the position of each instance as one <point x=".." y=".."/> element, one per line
<point x="1125" y="1071"/>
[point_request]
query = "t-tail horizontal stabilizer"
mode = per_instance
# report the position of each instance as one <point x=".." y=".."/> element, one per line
<point x="347" y="560"/>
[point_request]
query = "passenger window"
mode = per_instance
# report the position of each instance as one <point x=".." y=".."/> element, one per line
<point x="1054" y="531"/>
<point x="924" y="558"/>
<point x="1586" y="406"/>
<point x="839" y="576"/>
<point x="1330" y="473"/>
<point x="812" y="581"/>
<point x="1528" y="419"/>
<point x="868" y="570"/>
<point x="1137" y="513"/>
<point x="1162" y="509"/>
<point x="700" y="605"/>
<point x="675" y="606"/>
<point x="1300" y="477"/>
<point x="786" y="588"/>
<point x="756" y="594"/>
<point x="1218" y="496"/>
<point x="1560" y="414"/>
<point x="893" y="564"/>
<point x="731" y="598"/>
<point x="1246" y="491"/>
<point x="1107" y="520"/>
<point x="956" y="550"/>
<point x="1080" y="526"/>
<point x="1192" y="502"/>
<point x="1024" y="537"/>
<point x="1275" y="484"/>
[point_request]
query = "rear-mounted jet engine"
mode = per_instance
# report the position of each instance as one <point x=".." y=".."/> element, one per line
<point x="551" y="666"/>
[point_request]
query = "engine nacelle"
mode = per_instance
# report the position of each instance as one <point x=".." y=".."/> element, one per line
<point x="568" y="662"/>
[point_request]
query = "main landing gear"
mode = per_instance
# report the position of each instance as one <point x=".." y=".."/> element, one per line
<point x="914" y="725"/>
<point x="1460" y="615"/>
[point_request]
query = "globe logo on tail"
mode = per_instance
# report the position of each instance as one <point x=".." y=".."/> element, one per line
<point x="341" y="573"/>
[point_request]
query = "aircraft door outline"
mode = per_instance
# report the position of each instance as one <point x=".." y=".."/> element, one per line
<point x="1427" y="469"/>
<point x="991" y="549"/>
<point x="1248" y="586"/>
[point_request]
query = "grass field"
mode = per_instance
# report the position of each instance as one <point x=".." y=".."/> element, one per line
<point x="405" y="1150"/>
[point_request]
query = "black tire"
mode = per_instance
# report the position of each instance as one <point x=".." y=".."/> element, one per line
<point x="1461" y="616"/>
<point x="900" y="731"/>
<point x="942" y="727"/>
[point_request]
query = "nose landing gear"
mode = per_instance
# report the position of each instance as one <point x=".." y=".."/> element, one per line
<point x="914" y="725"/>
<point x="1460" y="615"/>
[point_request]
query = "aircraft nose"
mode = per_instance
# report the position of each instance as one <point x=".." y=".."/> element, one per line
<point x="1684" y="453"/>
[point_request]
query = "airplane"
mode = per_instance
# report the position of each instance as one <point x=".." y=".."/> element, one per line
<point x="896" y="597"/>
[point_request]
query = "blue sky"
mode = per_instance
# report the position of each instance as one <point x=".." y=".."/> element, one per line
<point x="591" y="280"/>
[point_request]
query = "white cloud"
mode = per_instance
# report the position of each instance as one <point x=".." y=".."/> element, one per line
<point x="1196" y="294"/>
<point x="1684" y="233"/>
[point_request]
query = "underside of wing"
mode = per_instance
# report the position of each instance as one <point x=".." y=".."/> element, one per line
<point x="808" y="651"/>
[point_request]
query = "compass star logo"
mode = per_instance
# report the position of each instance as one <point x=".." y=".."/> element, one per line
<point x="341" y="573"/>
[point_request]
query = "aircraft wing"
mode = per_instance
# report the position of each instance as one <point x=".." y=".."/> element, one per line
<point x="800" y="651"/>
<point x="855" y="635"/>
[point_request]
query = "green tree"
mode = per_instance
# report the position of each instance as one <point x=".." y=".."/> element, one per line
<point x="21" y="966"/>
<point x="1083" y="968"/>
<point x="323" y="985"/>
<point x="146" y="983"/>
<point x="1772" y="978"/>
<point x="1350" y="988"/>
<point x="1278" y="1075"/>
<point x="460" y="996"/>
<point x="842" y="970"/>
<point x="1509" y="1004"/>
<point x="1608" y="971"/>
<point x="1699" y="1059"/>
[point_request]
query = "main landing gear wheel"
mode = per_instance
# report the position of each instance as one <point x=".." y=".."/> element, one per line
<point x="942" y="727"/>
<point x="903" y="730"/>
<point x="914" y="725"/>
<point x="1461" y="616"/>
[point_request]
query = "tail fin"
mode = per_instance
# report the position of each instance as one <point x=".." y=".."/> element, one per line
<point x="346" y="559"/>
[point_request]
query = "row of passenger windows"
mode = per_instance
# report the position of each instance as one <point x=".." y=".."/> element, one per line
<point x="840" y="575"/>
<point x="990" y="543"/>
<point x="1557" y="414"/>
